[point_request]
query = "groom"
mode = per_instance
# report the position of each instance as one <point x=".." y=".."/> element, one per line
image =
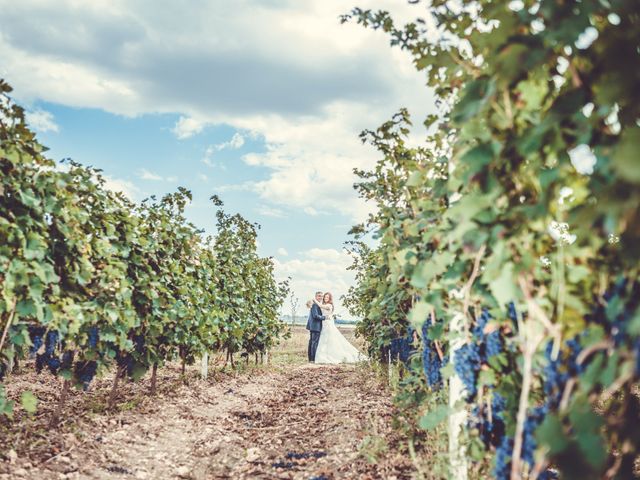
<point x="314" y="325"/>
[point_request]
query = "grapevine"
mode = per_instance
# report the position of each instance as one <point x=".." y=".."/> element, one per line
<point x="523" y="98"/>
<point x="91" y="282"/>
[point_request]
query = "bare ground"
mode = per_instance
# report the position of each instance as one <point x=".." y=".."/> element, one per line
<point x="289" y="421"/>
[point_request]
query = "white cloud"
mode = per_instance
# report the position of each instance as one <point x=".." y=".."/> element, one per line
<point x="125" y="186"/>
<point x="187" y="127"/>
<point x="208" y="157"/>
<point x="283" y="252"/>
<point x="295" y="78"/>
<point x="270" y="211"/>
<point x="259" y="77"/>
<point x="203" y="177"/>
<point x="236" y="141"/>
<point x="318" y="269"/>
<point x="42" y="121"/>
<point x="145" y="174"/>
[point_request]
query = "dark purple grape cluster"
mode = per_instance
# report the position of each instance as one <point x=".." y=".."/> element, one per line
<point x="621" y="302"/>
<point x="36" y="333"/>
<point x="467" y="366"/>
<point x="491" y="427"/>
<point x="49" y="358"/>
<point x="502" y="468"/>
<point x="529" y="444"/>
<point x="67" y="360"/>
<point x="84" y="371"/>
<point x="494" y="344"/>
<point x="513" y="314"/>
<point x="126" y="360"/>
<point x="93" y="337"/>
<point x="431" y="363"/>
<point x="471" y="356"/>
<point x="401" y="348"/>
<point x="557" y="372"/>
<point x="490" y="344"/>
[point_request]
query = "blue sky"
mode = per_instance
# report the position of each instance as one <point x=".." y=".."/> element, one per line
<point x="259" y="101"/>
<point x="147" y="158"/>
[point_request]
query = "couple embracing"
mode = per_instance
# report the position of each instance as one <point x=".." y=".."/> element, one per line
<point x="326" y="343"/>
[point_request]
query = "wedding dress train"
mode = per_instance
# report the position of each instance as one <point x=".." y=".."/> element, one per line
<point x="333" y="347"/>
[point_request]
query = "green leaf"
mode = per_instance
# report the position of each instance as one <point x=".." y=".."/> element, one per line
<point x="139" y="371"/>
<point x="448" y="371"/>
<point x="419" y="313"/>
<point x="625" y="157"/>
<point x="504" y="288"/>
<point x="593" y="449"/>
<point x="436" y="331"/>
<point x="29" y="402"/>
<point x="487" y="377"/>
<point x="551" y="434"/>
<point x="415" y="179"/>
<point x="474" y="97"/>
<point x="477" y="157"/>
<point x="427" y="270"/>
<point x="432" y="419"/>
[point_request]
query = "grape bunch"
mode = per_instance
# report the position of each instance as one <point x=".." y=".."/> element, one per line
<point x="126" y="360"/>
<point x="36" y="333"/>
<point x="621" y="302"/>
<point x="431" y="363"/>
<point x="467" y="366"/>
<point x="529" y="444"/>
<point x="513" y="314"/>
<point x="490" y="344"/>
<point x="84" y="371"/>
<point x="48" y="358"/>
<point x="557" y="372"/>
<point x="492" y="429"/>
<point x="93" y="337"/>
<point x="401" y="348"/>
<point x="502" y="469"/>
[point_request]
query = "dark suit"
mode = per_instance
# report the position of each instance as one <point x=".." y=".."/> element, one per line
<point x="314" y="325"/>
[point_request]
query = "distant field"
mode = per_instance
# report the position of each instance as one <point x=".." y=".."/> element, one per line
<point x="294" y="349"/>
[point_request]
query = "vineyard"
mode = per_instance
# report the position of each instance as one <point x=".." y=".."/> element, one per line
<point x="505" y="272"/>
<point x="496" y="284"/>
<point x="92" y="282"/>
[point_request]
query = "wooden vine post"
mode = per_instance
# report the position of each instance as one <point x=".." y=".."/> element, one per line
<point x="457" y="392"/>
<point x="204" y="367"/>
<point x="458" y="418"/>
<point x="154" y="378"/>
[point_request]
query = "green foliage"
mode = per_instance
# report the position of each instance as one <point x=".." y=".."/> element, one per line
<point x="526" y="191"/>
<point x="135" y="284"/>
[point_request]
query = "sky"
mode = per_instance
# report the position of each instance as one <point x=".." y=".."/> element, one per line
<point x="258" y="101"/>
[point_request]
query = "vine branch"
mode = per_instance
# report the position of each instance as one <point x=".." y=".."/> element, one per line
<point x="8" y="324"/>
<point x="472" y="278"/>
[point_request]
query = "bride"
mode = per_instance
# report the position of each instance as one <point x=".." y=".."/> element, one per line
<point x="332" y="346"/>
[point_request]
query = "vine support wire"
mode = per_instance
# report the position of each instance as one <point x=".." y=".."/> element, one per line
<point x="458" y="417"/>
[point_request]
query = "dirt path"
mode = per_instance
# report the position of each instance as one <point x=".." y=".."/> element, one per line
<point x="290" y="422"/>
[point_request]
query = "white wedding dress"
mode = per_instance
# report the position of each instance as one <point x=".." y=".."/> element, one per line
<point x="332" y="346"/>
